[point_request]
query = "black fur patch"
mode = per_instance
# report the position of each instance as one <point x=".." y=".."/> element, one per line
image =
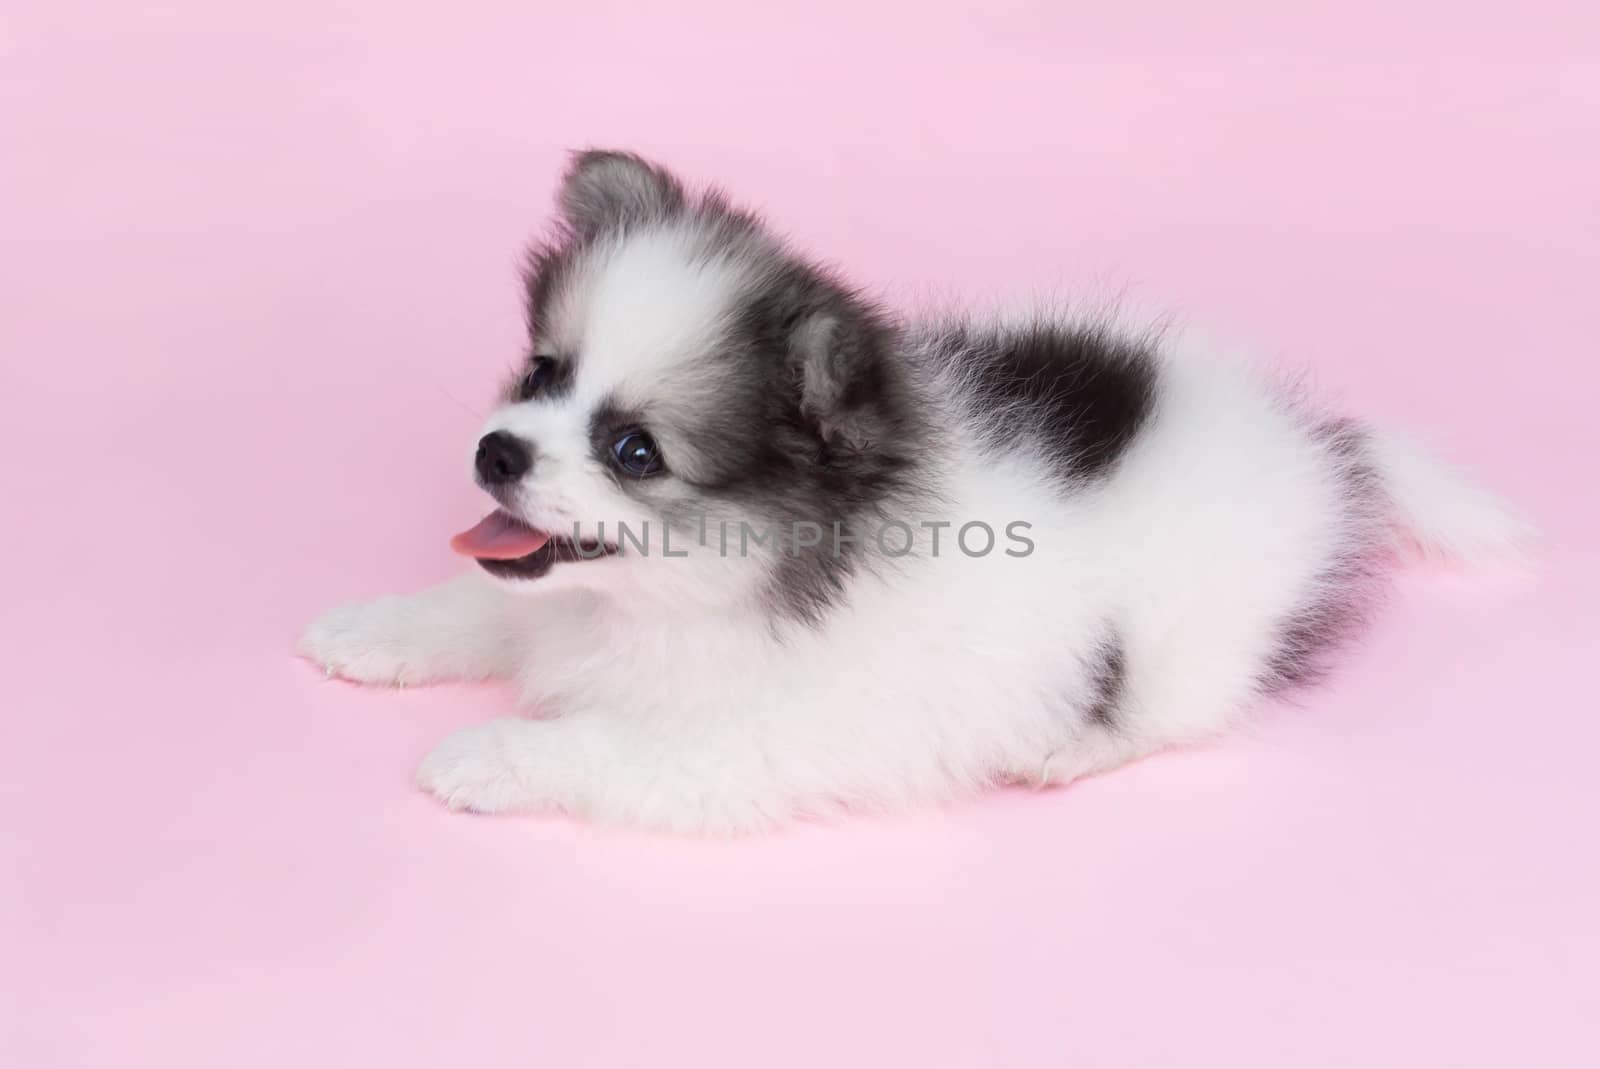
<point x="1347" y="584"/>
<point x="544" y="272"/>
<point x="606" y="424"/>
<point x="542" y="276"/>
<point x="1082" y="393"/>
<point x="541" y="377"/>
<point x="1108" y="675"/>
<point x="817" y="425"/>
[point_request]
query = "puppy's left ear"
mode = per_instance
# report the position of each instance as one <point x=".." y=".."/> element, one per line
<point x="606" y="190"/>
<point x="850" y="391"/>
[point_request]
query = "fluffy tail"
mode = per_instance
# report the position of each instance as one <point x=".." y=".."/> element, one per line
<point x="1440" y="513"/>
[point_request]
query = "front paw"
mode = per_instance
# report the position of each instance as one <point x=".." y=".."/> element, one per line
<point x="364" y="643"/>
<point x="476" y="769"/>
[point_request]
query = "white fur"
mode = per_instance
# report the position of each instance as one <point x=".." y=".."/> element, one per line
<point x="676" y="704"/>
<point x="1440" y="511"/>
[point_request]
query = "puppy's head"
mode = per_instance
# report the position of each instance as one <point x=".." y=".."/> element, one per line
<point x="699" y="410"/>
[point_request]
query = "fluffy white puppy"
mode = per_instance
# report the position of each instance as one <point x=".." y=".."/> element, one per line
<point x="764" y="550"/>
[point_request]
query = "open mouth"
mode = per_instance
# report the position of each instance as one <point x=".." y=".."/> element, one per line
<point x="505" y="546"/>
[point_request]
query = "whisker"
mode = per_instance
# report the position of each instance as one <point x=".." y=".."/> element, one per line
<point x="468" y="409"/>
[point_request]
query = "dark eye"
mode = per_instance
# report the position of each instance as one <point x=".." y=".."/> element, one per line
<point x="637" y="454"/>
<point x="537" y="378"/>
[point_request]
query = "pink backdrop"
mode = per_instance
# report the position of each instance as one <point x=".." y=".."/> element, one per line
<point x="256" y="272"/>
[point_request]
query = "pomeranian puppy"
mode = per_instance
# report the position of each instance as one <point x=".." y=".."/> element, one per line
<point x="762" y="549"/>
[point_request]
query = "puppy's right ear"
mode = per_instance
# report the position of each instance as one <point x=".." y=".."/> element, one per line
<point x="607" y="190"/>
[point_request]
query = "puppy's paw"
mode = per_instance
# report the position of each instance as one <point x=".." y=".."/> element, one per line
<point x="367" y="642"/>
<point x="477" y="769"/>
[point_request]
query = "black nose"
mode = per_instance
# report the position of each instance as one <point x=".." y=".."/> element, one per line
<point x="502" y="458"/>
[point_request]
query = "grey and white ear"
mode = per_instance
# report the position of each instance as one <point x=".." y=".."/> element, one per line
<point x="848" y="391"/>
<point x="606" y="190"/>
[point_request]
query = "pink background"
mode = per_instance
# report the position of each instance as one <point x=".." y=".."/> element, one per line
<point x="257" y="284"/>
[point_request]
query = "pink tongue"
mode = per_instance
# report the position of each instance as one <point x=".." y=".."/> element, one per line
<point x="498" y="537"/>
